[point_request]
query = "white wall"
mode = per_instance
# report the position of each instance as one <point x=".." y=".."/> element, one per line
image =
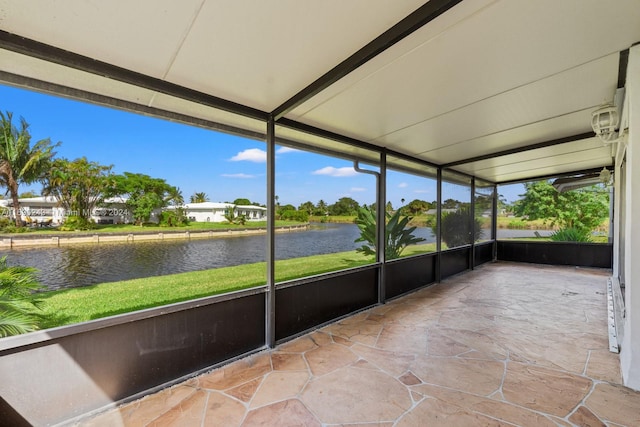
<point x="630" y="348"/>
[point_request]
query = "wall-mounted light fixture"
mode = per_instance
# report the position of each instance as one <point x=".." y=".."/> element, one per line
<point x="606" y="177"/>
<point x="605" y="121"/>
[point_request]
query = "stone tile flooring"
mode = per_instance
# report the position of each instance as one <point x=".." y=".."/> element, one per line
<point x="504" y="345"/>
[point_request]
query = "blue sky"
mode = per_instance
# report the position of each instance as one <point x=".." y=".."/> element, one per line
<point x="224" y="166"/>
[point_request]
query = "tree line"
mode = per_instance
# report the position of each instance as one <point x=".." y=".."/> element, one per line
<point x="346" y="206"/>
<point x="78" y="185"/>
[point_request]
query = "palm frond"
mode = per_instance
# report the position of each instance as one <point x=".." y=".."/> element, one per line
<point x="13" y="322"/>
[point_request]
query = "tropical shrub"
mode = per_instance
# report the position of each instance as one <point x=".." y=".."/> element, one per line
<point x="76" y="223"/>
<point x="17" y="300"/>
<point x="397" y="235"/>
<point x="232" y="217"/>
<point x="173" y="218"/>
<point x="289" y="215"/>
<point x="455" y="228"/>
<point x="8" y="226"/>
<point x="571" y="234"/>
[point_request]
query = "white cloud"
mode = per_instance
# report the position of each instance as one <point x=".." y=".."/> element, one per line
<point x="238" y="175"/>
<point x="357" y="189"/>
<point x="422" y="191"/>
<point x="339" y="172"/>
<point x="403" y="185"/>
<point x="255" y="155"/>
<point x="283" y="150"/>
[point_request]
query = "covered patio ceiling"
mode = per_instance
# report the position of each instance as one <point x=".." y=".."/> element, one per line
<point x="499" y="89"/>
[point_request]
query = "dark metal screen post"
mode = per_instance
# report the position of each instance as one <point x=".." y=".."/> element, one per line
<point x="381" y="202"/>
<point x="438" y="224"/>
<point x="380" y="220"/>
<point x="494" y="221"/>
<point x="270" y="333"/>
<point x="472" y="225"/>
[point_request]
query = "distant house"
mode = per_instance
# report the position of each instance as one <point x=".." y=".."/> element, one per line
<point x="39" y="210"/>
<point x="215" y="212"/>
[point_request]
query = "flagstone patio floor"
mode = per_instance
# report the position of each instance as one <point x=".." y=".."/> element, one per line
<point x="504" y="345"/>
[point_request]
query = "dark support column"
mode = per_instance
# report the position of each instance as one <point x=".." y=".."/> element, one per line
<point x="270" y="333"/>
<point x="438" y="227"/>
<point x="494" y="221"/>
<point x="380" y="218"/>
<point x="472" y="225"/>
<point x="381" y="203"/>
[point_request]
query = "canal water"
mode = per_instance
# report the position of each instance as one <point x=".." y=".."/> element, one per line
<point x="84" y="265"/>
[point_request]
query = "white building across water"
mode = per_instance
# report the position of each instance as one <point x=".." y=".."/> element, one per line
<point x="46" y="210"/>
<point x="217" y="212"/>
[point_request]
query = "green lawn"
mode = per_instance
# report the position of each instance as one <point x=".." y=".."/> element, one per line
<point x="93" y="302"/>
<point x="340" y="219"/>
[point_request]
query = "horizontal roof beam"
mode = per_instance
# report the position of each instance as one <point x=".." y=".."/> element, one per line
<point x="551" y="176"/>
<point x="411" y="23"/>
<point x="107" y="101"/>
<point x="25" y="46"/>
<point x="537" y="146"/>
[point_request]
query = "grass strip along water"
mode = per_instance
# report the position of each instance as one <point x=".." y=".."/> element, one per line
<point x="106" y="299"/>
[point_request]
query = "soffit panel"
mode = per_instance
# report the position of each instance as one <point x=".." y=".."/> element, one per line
<point x="532" y="170"/>
<point x="262" y="53"/>
<point x="27" y="66"/>
<point x="556" y="96"/>
<point x="193" y="109"/>
<point x="499" y="48"/>
<point x="141" y="36"/>
<point x="257" y="54"/>
<point x="600" y="154"/>
<point x="578" y="148"/>
<point x="390" y="58"/>
<point x="44" y="71"/>
<point x="481" y="53"/>
<point x="562" y="158"/>
<point x="519" y="137"/>
<point x="306" y="141"/>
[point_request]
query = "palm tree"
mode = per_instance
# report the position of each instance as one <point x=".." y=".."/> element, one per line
<point x="199" y="197"/>
<point x="321" y="207"/>
<point x="17" y="285"/>
<point x="174" y="196"/>
<point x="20" y="163"/>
